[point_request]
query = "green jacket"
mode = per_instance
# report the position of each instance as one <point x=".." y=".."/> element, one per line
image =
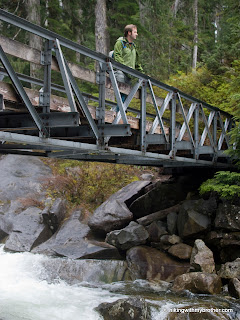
<point x="127" y="54"/>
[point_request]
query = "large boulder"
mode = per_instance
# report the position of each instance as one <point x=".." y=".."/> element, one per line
<point x="132" y="235"/>
<point x="230" y="270"/>
<point x="133" y="308"/>
<point x="228" y="217"/>
<point x="202" y="257"/>
<point x="191" y="222"/>
<point x="28" y="231"/>
<point x="161" y="196"/>
<point x="84" y="270"/>
<point x="71" y="241"/>
<point x="198" y="282"/>
<point x="114" y="214"/>
<point x="152" y="264"/>
<point x="21" y="176"/>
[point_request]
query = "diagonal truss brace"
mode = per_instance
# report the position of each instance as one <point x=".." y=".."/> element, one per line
<point x="224" y="130"/>
<point x="186" y="121"/>
<point x="207" y="128"/>
<point x="117" y="93"/>
<point x="159" y="117"/>
<point x="161" y="112"/>
<point x="22" y="93"/>
<point x="65" y="76"/>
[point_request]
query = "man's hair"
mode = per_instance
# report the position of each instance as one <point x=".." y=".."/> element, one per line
<point x="128" y="28"/>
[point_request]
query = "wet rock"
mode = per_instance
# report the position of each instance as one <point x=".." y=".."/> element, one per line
<point x="234" y="288"/>
<point x="21" y="176"/>
<point x="132" y="235"/>
<point x="228" y="217"/>
<point x="128" y="309"/>
<point x="202" y="257"/>
<point x="191" y="222"/>
<point x="114" y="214"/>
<point x="230" y="270"/>
<point x="53" y="215"/>
<point x="172" y="222"/>
<point x="85" y="270"/>
<point x="181" y="251"/>
<point x="71" y="241"/>
<point x="162" y="196"/>
<point x="28" y="231"/>
<point x="198" y="282"/>
<point x="152" y="264"/>
<point x="156" y="229"/>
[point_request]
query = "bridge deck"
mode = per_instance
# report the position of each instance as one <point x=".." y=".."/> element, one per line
<point x="52" y="120"/>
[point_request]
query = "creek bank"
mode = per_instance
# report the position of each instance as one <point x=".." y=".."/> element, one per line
<point x="184" y="240"/>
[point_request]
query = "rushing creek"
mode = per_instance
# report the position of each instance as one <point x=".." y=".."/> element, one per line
<point x="29" y="292"/>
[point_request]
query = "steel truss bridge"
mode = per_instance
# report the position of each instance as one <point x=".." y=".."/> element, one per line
<point x="167" y="128"/>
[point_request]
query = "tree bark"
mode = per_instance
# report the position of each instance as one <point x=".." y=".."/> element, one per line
<point x="33" y="9"/>
<point x="195" y="39"/>
<point x="101" y="33"/>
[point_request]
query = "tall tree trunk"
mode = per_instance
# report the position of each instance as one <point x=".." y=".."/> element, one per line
<point x="33" y="9"/>
<point x="175" y="7"/>
<point x="195" y="39"/>
<point x="101" y="33"/>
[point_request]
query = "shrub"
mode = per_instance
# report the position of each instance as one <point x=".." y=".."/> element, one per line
<point x="225" y="183"/>
<point x="87" y="183"/>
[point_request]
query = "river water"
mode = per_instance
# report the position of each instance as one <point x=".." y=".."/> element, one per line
<point x="26" y="293"/>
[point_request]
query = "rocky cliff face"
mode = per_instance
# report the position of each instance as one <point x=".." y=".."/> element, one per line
<point x="156" y="229"/>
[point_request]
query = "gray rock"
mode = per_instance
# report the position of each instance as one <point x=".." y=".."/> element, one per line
<point x="28" y="231"/>
<point x="133" y="308"/>
<point x="230" y="270"/>
<point x="54" y="214"/>
<point x="234" y="288"/>
<point x="71" y="241"/>
<point x="151" y="264"/>
<point x="147" y="176"/>
<point x="181" y="251"/>
<point x="21" y="176"/>
<point x="198" y="282"/>
<point x="114" y="214"/>
<point x="87" y="270"/>
<point x="162" y="196"/>
<point x="132" y="235"/>
<point x="172" y="222"/>
<point x="228" y="217"/>
<point x="156" y="229"/>
<point x="202" y="257"/>
<point x="191" y="222"/>
<point x="170" y="239"/>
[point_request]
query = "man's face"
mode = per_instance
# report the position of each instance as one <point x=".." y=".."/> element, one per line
<point x="133" y="34"/>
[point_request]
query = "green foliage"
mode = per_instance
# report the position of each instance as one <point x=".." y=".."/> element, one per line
<point x="225" y="183"/>
<point x="87" y="183"/>
<point x="219" y="90"/>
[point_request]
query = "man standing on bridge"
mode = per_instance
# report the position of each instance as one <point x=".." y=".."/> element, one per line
<point x="125" y="52"/>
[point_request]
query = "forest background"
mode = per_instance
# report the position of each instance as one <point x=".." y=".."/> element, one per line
<point x="193" y="45"/>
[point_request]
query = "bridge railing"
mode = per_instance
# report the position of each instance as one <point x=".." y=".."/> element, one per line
<point x="178" y="124"/>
